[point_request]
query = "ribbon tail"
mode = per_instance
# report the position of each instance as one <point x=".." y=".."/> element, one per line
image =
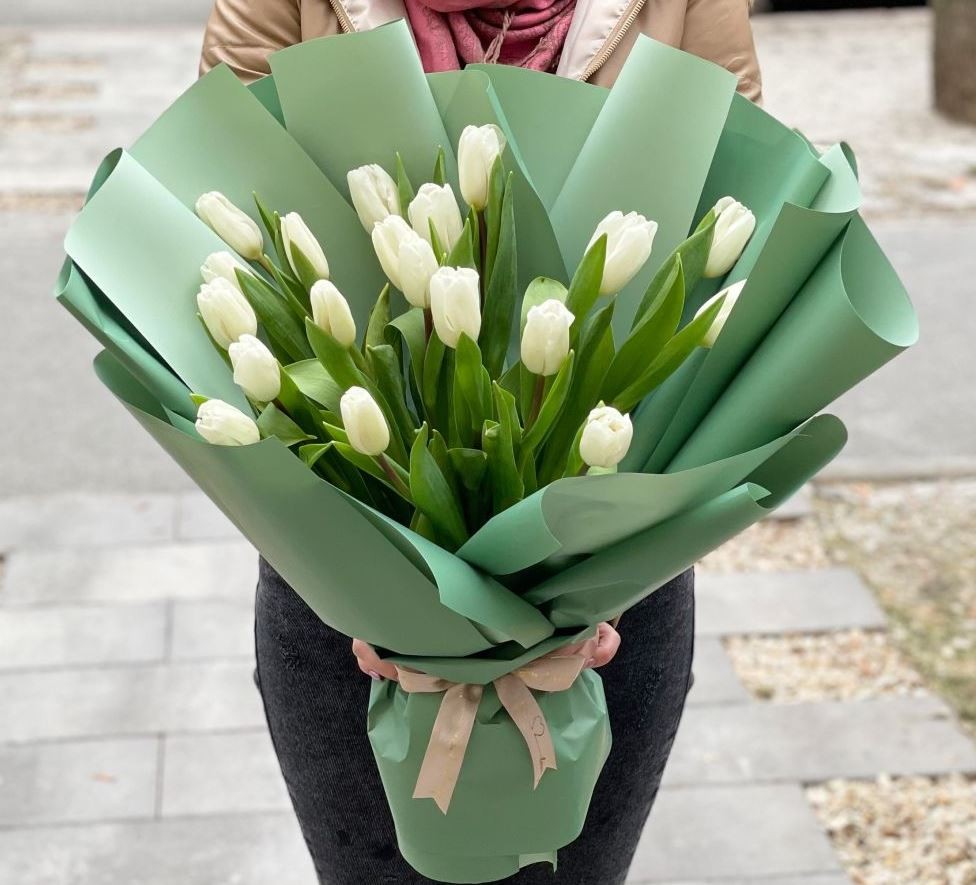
<point x="528" y="717"/>
<point x="449" y="738"/>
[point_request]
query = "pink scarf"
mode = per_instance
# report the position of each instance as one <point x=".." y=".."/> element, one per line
<point x="453" y="33"/>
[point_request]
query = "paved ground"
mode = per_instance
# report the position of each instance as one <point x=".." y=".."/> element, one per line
<point x="132" y="747"/>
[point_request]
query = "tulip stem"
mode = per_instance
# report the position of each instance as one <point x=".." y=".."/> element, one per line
<point x="483" y="254"/>
<point x="537" y="394"/>
<point x="394" y="477"/>
<point x="265" y="262"/>
<point x="428" y="324"/>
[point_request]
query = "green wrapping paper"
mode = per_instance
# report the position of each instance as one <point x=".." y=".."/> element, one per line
<point x="722" y="443"/>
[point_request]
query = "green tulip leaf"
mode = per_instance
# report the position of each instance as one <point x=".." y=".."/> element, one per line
<point x="552" y="407"/>
<point x="657" y="326"/>
<point x="379" y="319"/>
<point x="432" y="494"/>
<point x="404" y="187"/>
<point x="584" y="289"/>
<point x="284" y="329"/>
<point x="669" y="360"/>
<point x="274" y="422"/>
<point x="498" y="313"/>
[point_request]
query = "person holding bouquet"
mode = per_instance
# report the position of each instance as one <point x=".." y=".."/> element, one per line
<point x="314" y="696"/>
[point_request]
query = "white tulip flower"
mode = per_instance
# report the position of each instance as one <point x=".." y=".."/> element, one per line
<point x="734" y="226"/>
<point x="436" y="205"/>
<point x="630" y="239"/>
<point x="455" y="301"/>
<point x="226" y="313"/>
<point x="731" y="295"/>
<point x="374" y="194"/>
<point x="256" y="371"/>
<point x="295" y="233"/>
<point x="545" y="341"/>
<point x="606" y="437"/>
<point x="237" y="229"/>
<point x="406" y="257"/>
<point x="221" y="424"/>
<point x="331" y="313"/>
<point x="223" y="265"/>
<point x="478" y="148"/>
<point x="364" y="423"/>
<point x="417" y="265"/>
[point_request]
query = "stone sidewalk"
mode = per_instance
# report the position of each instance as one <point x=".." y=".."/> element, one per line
<point x="133" y="747"/>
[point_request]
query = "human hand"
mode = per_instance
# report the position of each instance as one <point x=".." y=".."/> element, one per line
<point x="371" y="663"/>
<point x="600" y="651"/>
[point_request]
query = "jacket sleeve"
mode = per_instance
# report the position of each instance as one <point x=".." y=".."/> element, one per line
<point x="243" y="33"/>
<point x="720" y="31"/>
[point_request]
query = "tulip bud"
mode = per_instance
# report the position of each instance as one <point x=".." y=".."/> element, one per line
<point x="407" y="259"/>
<point x="234" y="227"/>
<point x="731" y="295"/>
<point x="417" y="265"/>
<point x="363" y="420"/>
<point x="606" y="437"/>
<point x="330" y="312"/>
<point x="455" y="301"/>
<point x="374" y="194"/>
<point x="222" y="265"/>
<point x="256" y="371"/>
<point x="436" y="205"/>
<point x="226" y="312"/>
<point x="545" y="341"/>
<point x="630" y="239"/>
<point x="295" y="234"/>
<point x="734" y="225"/>
<point x="221" y="424"/>
<point x="478" y="148"/>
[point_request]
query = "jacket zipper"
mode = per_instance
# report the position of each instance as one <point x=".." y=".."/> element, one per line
<point x="600" y="59"/>
<point x="344" y="21"/>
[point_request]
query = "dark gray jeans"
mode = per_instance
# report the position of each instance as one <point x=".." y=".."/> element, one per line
<point x="315" y="700"/>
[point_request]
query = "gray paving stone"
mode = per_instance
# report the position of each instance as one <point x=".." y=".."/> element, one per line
<point x="78" y="781"/>
<point x="715" y="679"/>
<point x="128" y="701"/>
<point x="72" y="635"/>
<point x="784" y="602"/>
<point x="199" y="519"/>
<point x="222" y="774"/>
<point x="226" y="570"/>
<point x="213" y="630"/>
<point x="723" y="833"/>
<point x="235" y="850"/>
<point x="816" y="742"/>
<point x="815" y="879"/>
<point x="799" y="506"/>
<point x="84" y="520"/>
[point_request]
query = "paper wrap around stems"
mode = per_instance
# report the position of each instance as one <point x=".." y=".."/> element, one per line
<point x="739" y="417"/>
<point x="439" y="772"/>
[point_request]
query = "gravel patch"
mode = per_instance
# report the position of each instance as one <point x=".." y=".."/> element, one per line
<point x="771" y="546"/>
<point x="848" y="666"/>
<point x="905" y="830"/>
<point x="913" y="543"/>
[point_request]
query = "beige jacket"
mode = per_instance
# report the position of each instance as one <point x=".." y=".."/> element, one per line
<point x="242" y="33"/>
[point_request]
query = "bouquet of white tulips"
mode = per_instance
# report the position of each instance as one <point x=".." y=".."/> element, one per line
<point x="423" y="417"/>
<point x="493" y="356"/>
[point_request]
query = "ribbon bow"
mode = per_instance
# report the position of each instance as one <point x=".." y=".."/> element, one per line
<point x="449" y="738"/>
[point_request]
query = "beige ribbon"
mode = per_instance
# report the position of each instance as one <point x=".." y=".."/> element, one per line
<point x="449" y="738"/>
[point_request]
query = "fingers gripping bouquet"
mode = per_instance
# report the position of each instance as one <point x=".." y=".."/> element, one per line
<point x="493" y="356"/>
